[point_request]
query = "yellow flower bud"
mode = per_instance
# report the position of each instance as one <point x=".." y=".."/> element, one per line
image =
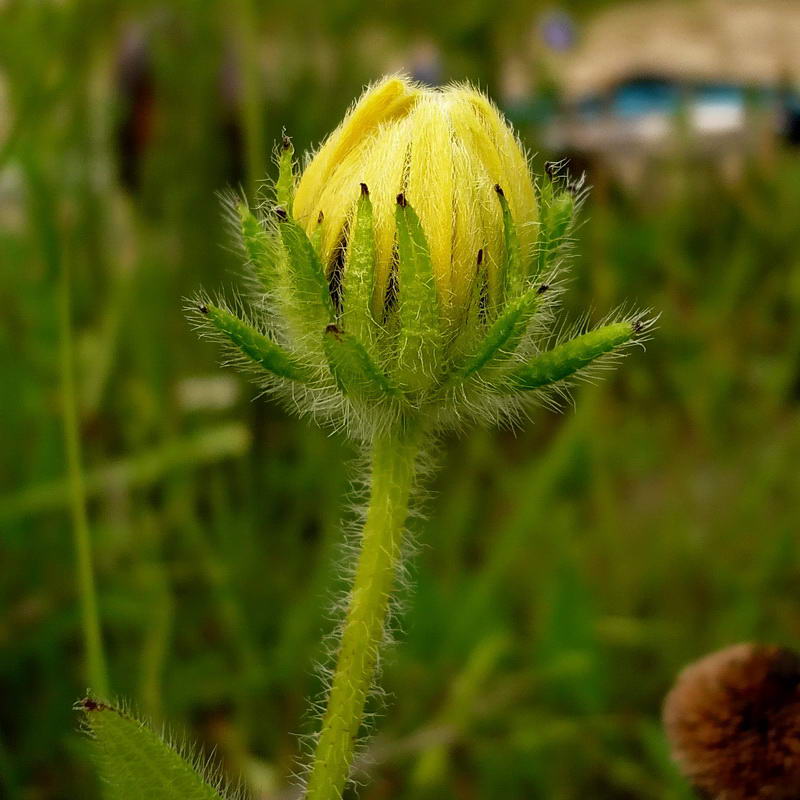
<point x="408" y="274"/>
<point x="445" y="150"/>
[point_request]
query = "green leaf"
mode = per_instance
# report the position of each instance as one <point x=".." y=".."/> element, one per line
<point x="135" y="763"/>
<point x="358" y="273"/>
<point x="355" y="372"/>
<point x="254" y="344"/>
<point x="566" y="359"/>
<point x="418" y="303"/>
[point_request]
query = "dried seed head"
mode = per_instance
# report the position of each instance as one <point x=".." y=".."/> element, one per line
<point x="733" y="720"/>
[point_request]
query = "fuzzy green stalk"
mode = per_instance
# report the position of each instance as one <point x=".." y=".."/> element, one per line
<point x="95" y="658"/>
<point x="394" y="457"/>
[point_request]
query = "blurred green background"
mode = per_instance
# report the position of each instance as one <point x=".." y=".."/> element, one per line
<point x="565" y="572"/>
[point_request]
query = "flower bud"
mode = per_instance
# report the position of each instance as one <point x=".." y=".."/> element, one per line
<point x="407" y="277"/>
<point x="444" y="151"/>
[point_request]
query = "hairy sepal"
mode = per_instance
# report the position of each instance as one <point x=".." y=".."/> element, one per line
<point x="513" y="272"/>
<point x="568" y="358"/>
<point x="559" y="201"/>
<point x="286" y="183"/>
<point x="261" y="248"/>
<point x="308" y="298"/>
<point x="357" y="281"/>
<point x="354" y="371"/>
<point x="254" y="345"/>
<point x="419" y="335"/>
<point x="504" y="334"/>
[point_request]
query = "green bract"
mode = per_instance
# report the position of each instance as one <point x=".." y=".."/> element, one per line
<point x="311" y="335"/>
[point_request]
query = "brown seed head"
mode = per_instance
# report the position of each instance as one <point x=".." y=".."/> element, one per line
<point x="733" y="720"/>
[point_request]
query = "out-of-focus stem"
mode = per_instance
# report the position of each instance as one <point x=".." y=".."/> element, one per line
<point x="95" y="658"/>
<point x="251" y="102"/>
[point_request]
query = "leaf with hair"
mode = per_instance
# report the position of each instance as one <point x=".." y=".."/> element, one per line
<point x="137" y="764"/>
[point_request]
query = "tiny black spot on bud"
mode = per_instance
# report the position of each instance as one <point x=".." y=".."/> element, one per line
<point x="543" y="288"/>
<point x="551" y="169"/>
<point x="364" y="190"/>
<point x="320" y="218"/>
<point x="334" y="329"/>
<point x="499" y="189"/>
<point x="480" y="256"/>
<point x="637" y="326"/>
<point x="286" y="142"/>
<point x="401" y="200"/>
<point x="202" y="308"/>
<point x="89" y="704"/>
<point x="281" y="214"/>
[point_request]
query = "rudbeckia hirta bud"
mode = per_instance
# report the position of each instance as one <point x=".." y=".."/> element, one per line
<point x="403" y="284"/>
<point x="411" y="270"/>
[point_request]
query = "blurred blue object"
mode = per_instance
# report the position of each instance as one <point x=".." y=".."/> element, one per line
<point x="558" y="30"/>
<point x="645" y="96"/>
<point x="719" y="94"/>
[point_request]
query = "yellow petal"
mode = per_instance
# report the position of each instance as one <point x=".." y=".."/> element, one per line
<point x="429" y="186"/>
<point x="390" y="99"/>
<point x="505" y="158"/>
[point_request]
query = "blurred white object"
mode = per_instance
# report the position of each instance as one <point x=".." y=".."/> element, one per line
<point x="208" y="393"/>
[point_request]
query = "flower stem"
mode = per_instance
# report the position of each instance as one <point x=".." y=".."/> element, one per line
<point x="393" y="467"/>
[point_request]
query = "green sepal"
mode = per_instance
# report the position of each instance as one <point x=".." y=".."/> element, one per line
<point x="316" y="235"/>
<point x="504" y="333"/>
<point x="309" y="283"/>
<point x="471" y="327"/>
<point x="355" y="372"/>
<point x="566" y="359"/>
<point x="255" y="345"/>
<point x="285" y="185"/>
<point x="259" y="247"/>
<point x="417" y="300"/>
<point x="357" y="280"/>
<point x="556" y="216"/>
<point x="137" y="764"/>
<point x="512" y="268"/>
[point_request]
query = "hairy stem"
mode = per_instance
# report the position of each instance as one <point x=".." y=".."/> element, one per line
<point x="393" y="466"/>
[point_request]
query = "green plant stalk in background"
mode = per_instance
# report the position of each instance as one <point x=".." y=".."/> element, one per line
<point x="90" y="621"/>
<point x="43" y="209"/>
<point x="394" y="458"/>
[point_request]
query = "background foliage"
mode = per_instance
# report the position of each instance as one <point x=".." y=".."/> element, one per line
<point x="565" y="572"/>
